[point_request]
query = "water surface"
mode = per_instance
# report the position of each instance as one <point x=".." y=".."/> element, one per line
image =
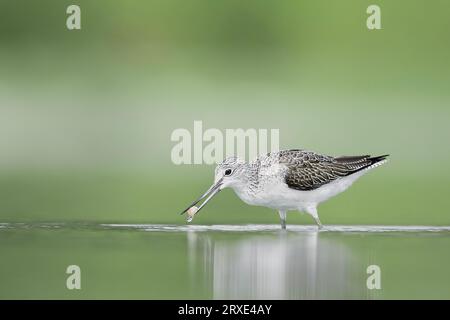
<point x="150" y="261"/>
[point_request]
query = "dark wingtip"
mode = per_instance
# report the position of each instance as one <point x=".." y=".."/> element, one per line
<point x="368" y="161"/>
<point x="378" y="158"/>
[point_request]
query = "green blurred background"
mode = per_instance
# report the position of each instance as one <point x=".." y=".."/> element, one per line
<point x="86" y="115"/>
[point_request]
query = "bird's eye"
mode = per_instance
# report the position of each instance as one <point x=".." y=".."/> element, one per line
<point x="227" y="172"/>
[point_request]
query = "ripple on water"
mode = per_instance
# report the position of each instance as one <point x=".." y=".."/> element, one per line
<point x="292" y="228"/>
<point x="225" y="228"/>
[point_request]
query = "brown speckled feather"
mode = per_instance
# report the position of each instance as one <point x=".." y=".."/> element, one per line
<point x="308" y="170"/>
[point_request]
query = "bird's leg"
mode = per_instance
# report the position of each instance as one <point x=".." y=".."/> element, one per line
<point x="313" y="212"/>
<point x="319" y="224"/>
<point x="283" y="219"/>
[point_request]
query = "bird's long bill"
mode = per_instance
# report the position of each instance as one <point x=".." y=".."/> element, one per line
<point x="215" y="188"/>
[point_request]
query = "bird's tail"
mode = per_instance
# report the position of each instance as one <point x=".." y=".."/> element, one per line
<point x="378" y="158"/>
<point x="359" y="163"/>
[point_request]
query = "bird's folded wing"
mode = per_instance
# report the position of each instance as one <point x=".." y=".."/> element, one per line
<point x="307" y="170"/>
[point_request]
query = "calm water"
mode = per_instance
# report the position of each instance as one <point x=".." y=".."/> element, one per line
<point x="223" y="261"/>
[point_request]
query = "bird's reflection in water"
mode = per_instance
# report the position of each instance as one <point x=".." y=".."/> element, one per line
<point x="276" y="266"/>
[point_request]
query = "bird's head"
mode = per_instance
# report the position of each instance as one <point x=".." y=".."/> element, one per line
<point x="228" y="173"/>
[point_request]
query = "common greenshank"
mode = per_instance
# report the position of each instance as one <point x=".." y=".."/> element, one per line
<point x="287" y="180"/>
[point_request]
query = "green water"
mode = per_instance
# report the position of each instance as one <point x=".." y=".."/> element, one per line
<point x="222" y="262"/>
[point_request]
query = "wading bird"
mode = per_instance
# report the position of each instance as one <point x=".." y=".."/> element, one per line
<point x="287" y="180"/>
